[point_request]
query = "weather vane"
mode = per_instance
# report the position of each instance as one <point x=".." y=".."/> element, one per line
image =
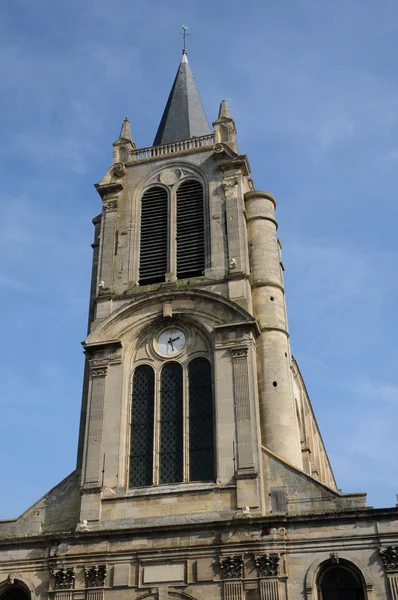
<point x="184" y="35"/>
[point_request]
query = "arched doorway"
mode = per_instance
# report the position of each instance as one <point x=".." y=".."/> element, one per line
<point x="340" y="582"/>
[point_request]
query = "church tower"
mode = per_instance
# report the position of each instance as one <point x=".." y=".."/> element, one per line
<point x="201" y="472"/>
<point x="190" y="374"/>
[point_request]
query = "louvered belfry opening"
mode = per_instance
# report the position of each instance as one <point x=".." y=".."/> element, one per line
<point x="190" y="230"/>
<point x="153" y="244"/>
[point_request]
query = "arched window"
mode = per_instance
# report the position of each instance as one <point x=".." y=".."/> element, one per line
<point x="171" y="424"/>
<point x="15" y="593"/>
<point x="201" y="444"/>
<point x="154" y="237"/>
<point x="190" y="229"/>
<point x="339" y="582"/>
<point x="142" y="415"/>
<point x="171" y="427"/>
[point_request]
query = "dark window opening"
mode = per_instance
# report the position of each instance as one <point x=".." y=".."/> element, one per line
<point x="201" y="450"/>
<point x="171" y="424"/>
<point x="142" y="413"/>
<point x="15" y="593"/>
<point x="190" y="230"/>
<point x="340" y="583"/>
<point x="153" y="241"/>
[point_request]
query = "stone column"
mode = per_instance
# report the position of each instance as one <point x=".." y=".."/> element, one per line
<point x="233" y="590"/>
<point x="91" y="473"/>
<point x="244" y="450"/>
<point x="393" y="585"/>
<point x="232" y="572"/>
<point x="279" y="425"/>
<point x="107" y="249"/>
<point x="269" y="589"/>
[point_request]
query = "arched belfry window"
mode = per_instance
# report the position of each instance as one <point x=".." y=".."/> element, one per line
<point x="339" y="582"/>
<point x="190" y="229"/>
<point x="171" y="428"/>
<point x="154" y="236"/>
<point x="172" y="233"/>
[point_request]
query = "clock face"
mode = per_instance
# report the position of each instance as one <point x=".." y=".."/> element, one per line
<point x="171" y="341"/>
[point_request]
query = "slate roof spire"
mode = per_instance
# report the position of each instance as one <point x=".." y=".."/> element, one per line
<point x="184" y="116"/>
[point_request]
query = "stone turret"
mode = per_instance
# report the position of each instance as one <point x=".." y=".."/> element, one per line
<point x="279" y="426"/>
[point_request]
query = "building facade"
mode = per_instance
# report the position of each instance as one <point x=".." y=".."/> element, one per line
<point x="201" y="471"/>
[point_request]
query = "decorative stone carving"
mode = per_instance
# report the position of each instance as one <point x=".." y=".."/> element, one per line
<point x="110" y="205"/>
<point x="99" y="371"/>
<point x="390" y="558"/>
<point x="95" y="575"/>
<point x="334" y="557"/>
<point x="63" y="578"/>
<point x="230" y="184"/>
<point x="267" y="565"/>
<point x="231" y="567"/>
<point x="170" y="176"/>
<point x="218" y="148"/>
<point x="239" y="352"/>
<point x="11" y="578"/>
<point x="118" y="170"/>
<point x="82" y="526"/>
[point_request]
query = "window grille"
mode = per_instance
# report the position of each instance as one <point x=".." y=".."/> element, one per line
<point x="142" y="413"/>
<point x="171" y="424"/>
<point x="153" y="241"/>
<point x="340" y="582"/>
<point x="201" y="451"/>
<point x="190" y="230"/>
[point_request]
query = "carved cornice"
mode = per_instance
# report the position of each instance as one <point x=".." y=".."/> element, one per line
<point x="64" y="578"/>
<point x="96" y="575"/>
<point x="390" y="558"/>
<point x="99" y="371"/>
<point x="267" y="565"/>
<point x="240" y="162"/>
<point x="241" y="352"/>
<point x="110" y="205"/>
<point x="106" y="189"/>
<point x="231" y="567"/>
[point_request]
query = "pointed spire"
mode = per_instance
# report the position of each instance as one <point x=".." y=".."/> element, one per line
<point x="124" y="145"/>
<point x="224" y="127"/>
<point x="184" y="116"/>
<point x="125" y="132"/>
<point x="224" y="110"/>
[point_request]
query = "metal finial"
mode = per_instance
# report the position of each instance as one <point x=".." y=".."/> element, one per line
<point x="184" y="35"/>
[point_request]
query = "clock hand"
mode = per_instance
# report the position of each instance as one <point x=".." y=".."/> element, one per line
<point x="171" y="344"/>
<point x="175" y="339"/>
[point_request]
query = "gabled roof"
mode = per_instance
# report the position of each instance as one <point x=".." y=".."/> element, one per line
<point x="184" y="116"/>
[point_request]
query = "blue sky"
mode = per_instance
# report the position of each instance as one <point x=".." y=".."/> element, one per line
<point x="313" y="89"/>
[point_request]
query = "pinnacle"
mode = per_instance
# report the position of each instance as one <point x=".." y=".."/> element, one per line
<point x="125" y="132"/>
<point x="224" y="110"/>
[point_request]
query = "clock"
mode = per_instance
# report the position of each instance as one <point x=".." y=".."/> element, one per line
<point x="171" y="341"/>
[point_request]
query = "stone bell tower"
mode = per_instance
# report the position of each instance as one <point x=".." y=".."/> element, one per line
<point x="190" y="382"/>
<point x="201" y="471"/>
